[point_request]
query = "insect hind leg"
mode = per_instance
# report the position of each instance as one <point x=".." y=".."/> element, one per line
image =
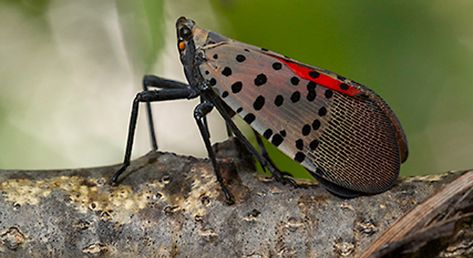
<point x="264" y="154"/>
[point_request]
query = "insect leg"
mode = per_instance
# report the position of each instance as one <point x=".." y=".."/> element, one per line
<point x="160" y="83"/>
<point x="264" y="153"/>
<point x="229" y="131"/>
<point x="262" y="148"/>
<point x="202" y="100"/>
<point x="280" y="177"/>
<point x="200" y="112"/>
<point x="148" y="96"/>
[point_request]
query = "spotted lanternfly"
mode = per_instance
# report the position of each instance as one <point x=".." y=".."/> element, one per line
<point x="343" y="133"/>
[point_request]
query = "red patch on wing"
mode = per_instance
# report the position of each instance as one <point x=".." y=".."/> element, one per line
<point x="322" y="79"/>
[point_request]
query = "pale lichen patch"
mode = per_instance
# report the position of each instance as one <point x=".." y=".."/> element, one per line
<point x="203" y="190"/>
<point x="426" y="178"/>
<point x="95" y="249"/>
<point x="116" y="203"/>
<point x="24" y="191"/>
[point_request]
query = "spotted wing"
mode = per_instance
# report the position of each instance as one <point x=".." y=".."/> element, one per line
<point x="341" y="135"/>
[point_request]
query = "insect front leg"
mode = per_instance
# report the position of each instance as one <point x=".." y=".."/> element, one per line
<point x="200" y="112"/>
<point x="160" y="83"/>
<point x="148" y="96"/>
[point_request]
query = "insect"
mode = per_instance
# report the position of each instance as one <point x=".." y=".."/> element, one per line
<point x="343" y="133"/>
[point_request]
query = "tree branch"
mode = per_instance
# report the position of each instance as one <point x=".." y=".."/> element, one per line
<point x="170" y="205"/>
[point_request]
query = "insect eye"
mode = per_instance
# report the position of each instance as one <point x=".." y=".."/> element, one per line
<point x="185" y="32"/>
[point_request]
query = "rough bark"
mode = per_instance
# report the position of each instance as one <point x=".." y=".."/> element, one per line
<point x="169" y="205"/>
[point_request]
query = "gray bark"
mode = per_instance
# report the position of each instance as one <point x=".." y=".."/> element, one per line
<point x="171" y="206"/>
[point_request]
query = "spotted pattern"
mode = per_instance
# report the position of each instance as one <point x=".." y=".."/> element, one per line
<point x="298" y="120"/>
<point x="237" y="86"/>
<point x="249" y="118"/>
<point x="283" y="133"/>
<point x="240" y="58"/>
<point x="277" y="139"/>
<point x="344" y="86"/>
<point x="277" y="66"/>
<point x="311" y="86"/>
<point x="213" y="82"/>
<point x="295" y="97"/>
<point x="306" y="130"/>
<point x="260" y="79"/>
<point x="322" y="111"/>
<point x="314" y="74"/>
<point x="300" y="157"/>
<point x="316" y="124"/>
<point x="328" y="93"/>
<point x="279" y="100"/>
<point x="227" y="71"/>
<point x="313" y="144"/>
<point x="268" y="133"/>
<point x="259" y="103"/>
<point x="300" y="144"/>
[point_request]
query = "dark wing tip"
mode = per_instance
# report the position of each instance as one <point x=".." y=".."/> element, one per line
<point x="400" y="135"/>
<point x="336" y="189"/>
<point x="359" y="150"/>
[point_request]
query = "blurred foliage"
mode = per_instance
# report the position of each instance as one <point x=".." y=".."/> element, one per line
<point x="142" y="23"/>
<point x="418" y="55"/>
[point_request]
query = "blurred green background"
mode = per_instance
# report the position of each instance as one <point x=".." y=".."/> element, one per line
<point x="70" y="69"/>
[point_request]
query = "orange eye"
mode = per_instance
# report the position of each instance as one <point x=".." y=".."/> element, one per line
<point x="182" y="45"/>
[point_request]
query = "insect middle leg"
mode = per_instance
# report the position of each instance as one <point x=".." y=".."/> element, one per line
<point x="200" y="113"/>
<point x="148" y="96"/>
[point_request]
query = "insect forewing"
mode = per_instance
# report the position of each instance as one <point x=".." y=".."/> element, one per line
<point x="339" y="130"/>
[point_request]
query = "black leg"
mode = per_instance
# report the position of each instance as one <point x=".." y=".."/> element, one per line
<point x="262" y="148"/>
<point x="148" y="96"/>
<point x="264" y="153"/>
<point x="200" y="112"/>
<point x="202" y="100"/>
<point x="160" y="83"/>
<point x="229" y="131"/>
<point x="280" y="177"/>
